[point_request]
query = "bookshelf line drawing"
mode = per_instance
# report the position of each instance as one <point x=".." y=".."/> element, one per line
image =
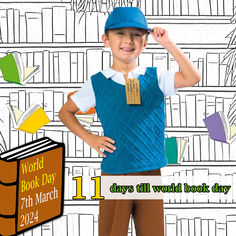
<point x="86" y="224"/>
<point x="64" y="40"/>
<point x="80" y="65"/>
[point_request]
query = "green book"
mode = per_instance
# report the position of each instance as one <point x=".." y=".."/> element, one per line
<point x="174" y="149"/>
<point x="171" y="150"/>
<point x="13" y="70"/>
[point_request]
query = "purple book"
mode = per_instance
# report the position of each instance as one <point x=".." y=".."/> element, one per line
<point x="217" y="127"/>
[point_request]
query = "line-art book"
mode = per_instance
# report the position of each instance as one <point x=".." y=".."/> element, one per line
<point x="31" y="185"/>
<point x="30" y="120"/>
<point x="14" y="71"/>
<point x="3" y="146"/>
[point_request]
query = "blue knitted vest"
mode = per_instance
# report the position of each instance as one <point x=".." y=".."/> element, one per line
<point x="138" y="130"/>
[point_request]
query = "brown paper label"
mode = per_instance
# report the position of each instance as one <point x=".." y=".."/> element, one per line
<point x="132" y="90"/>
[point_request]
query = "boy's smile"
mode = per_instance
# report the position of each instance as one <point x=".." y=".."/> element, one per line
<point x="126" y="44"/>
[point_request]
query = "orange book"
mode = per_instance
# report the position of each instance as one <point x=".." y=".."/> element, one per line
<point x="31" y="185"/>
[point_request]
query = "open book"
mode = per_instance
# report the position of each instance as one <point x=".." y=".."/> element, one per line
<point x="85" y="118"/>
<point x="29" y="121"/>
<point x="175" y="149"/>
<point x="14" y="71"/>
<point x="219" y="128"/>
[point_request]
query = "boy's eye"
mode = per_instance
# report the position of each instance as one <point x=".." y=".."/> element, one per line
<point x="119" y="32"/>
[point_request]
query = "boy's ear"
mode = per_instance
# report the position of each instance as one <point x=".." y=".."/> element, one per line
<point x="145" y="42"/>
<point x="105" y="41"/>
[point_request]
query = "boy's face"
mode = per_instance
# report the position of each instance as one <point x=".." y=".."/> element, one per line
<point x="126" y="43"/>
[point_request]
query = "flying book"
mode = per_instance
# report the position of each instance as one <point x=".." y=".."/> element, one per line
<point x="29" y="121"/>
<point x="175" y="149"/>
<point x="13" y="70"/>
<point x="219" y="128"/>
<point x="31" y="185"/>
<point x="85" y="118"/>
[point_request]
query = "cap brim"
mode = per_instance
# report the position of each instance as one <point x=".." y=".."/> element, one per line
<point x="128" y="24"/>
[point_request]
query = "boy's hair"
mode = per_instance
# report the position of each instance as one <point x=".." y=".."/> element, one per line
<point x="144" y="31"/>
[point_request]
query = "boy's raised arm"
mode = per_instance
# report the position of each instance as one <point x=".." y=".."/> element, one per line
<point x="67" y="116"/>
<point x="189" y="75"/>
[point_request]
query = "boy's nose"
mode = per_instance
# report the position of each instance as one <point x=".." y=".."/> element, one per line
<point x="128" y="39"/>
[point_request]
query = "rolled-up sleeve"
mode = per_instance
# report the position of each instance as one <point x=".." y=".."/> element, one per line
<point x="84" y="98"/>
<point x="166" y="81"/>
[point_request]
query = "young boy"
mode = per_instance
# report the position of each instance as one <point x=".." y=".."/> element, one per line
<point x="133" y="140"/>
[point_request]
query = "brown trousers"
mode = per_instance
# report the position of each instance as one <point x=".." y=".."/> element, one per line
<point x="148" y="215"/>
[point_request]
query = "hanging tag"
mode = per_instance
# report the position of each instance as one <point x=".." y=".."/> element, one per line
<point x="132" y="90"/>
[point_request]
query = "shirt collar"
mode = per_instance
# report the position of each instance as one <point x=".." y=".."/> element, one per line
<point x="109" y="73"/>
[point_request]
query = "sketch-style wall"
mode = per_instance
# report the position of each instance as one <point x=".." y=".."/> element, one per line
<point x="63" y="37"/>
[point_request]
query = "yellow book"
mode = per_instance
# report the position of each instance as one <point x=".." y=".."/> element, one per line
<point x="182" y="144"/>
<point x="232" y="132"/>
<point x="29" y="121"/>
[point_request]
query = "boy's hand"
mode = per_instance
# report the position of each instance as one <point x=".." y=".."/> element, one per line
<point x="100" y="142"/>
<point x="160" y="35"/>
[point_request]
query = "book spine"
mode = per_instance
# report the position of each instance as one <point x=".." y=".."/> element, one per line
<point x="171" y="224"/>
<point x="4" y="28"/>
<point x="47" y="25"/>
<point x="38" y="61"/>
<point x="34" y="27"/>
<point x="213" y="69"/>
<point x="17" y="25"/>
<point x="80" y="67"/>
<point x="7" y="226"/>
<point x="79" y="27"/>
<point x="30" y="63"/>
<point x="91" y="27"/>
<point x="62" y="226"/>
<point x="10" y="25"/>
<point x="46" y="66"/>
<point x="22" y="28"/>
<point x="59" y="24"/>
<point x="70" y="26"/>
<point x="8" y="196"/>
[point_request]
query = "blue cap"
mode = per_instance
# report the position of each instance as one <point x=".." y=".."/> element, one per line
<point x="122" y="17"/>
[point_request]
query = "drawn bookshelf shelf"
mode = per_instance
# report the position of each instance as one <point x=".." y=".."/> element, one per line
<point x="84" y="159"/>
<point x="204" y="163"/>
<point x="52" y="125"/>
<point x="223" y="164"/>
<point x="81" y="202"/>
<point x="166" y="205"/>
<point x="199" y="206"/>
<point x="98" y="45"/>
<point x="208" y="89"/>
<point x="187" y="129"/>
<point x="74" y="86"/>
<point x="77" y="85"/>
<point x="55" y="125"/>
<point x="189" y="19"/>
<point x="35" y="1"/>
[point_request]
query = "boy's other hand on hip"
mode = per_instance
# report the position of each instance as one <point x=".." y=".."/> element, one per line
<point x="100" y="142"/>
<point x="160" y="35"/>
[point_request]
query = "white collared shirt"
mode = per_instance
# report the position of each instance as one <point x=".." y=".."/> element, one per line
<point x="85" y="97"/>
